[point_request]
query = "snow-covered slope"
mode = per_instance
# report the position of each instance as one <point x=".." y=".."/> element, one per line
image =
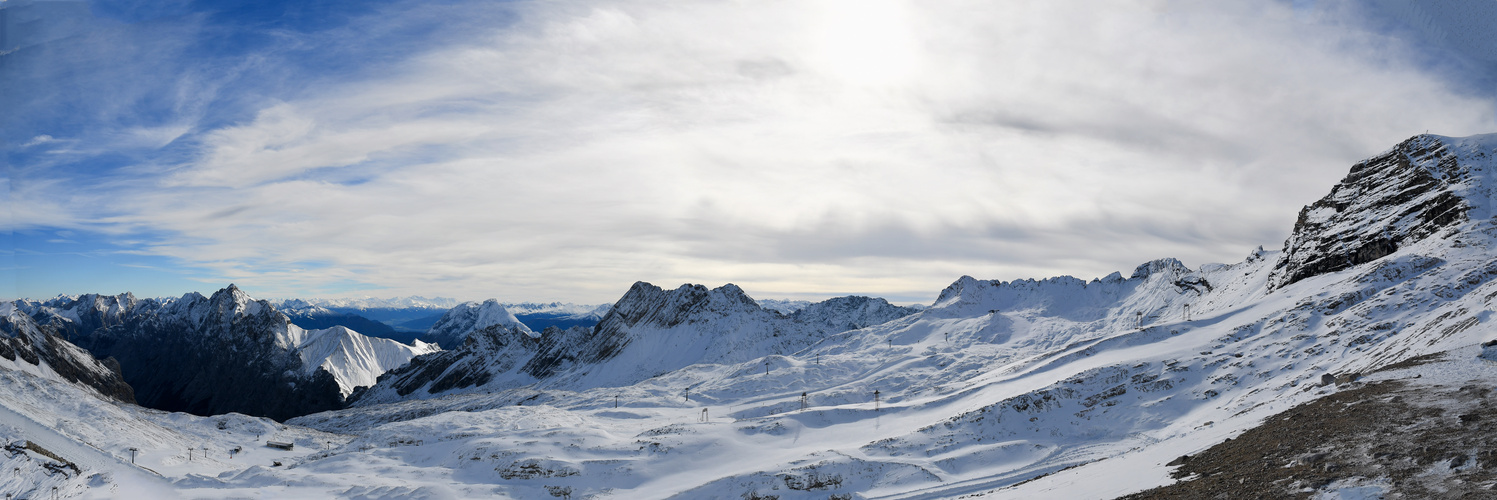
<point x="126" y="451"/>
<point x="653" y="331"/>
<point x="354" y="360"/>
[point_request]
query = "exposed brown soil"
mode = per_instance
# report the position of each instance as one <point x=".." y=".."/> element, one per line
<point x="1424" y="441"/>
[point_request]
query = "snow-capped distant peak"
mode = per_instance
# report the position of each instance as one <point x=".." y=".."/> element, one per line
<point x="556" y="308"/>
<point x="468" y="317"/>
<point x="783" y="306"/>
<point x="412" y="302"/>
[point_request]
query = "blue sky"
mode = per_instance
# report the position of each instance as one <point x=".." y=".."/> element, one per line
<point x="563" y="150"/>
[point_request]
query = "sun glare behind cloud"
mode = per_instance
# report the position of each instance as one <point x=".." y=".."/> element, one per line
<point x="866" y="42"/>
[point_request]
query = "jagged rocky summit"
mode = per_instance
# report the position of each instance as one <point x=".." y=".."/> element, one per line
<point x="649" y="331"/>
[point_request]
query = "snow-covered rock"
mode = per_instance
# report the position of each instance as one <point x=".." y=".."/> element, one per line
<point x="1408" y="193"/>
<point x="203" y="355"/>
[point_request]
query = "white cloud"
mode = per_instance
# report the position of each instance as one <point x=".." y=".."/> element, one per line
<point x="38" y="140"/>
<point x="797" y="148"/>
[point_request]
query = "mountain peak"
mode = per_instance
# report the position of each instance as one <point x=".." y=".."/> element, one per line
<point x="1157" y="266"/>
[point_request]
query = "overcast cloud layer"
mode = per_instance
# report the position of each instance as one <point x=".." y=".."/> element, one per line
<point x="563" y="150"/>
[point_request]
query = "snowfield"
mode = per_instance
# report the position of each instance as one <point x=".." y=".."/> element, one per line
<point x="1055" y="388"/>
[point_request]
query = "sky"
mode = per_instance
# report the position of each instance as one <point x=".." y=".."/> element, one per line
<point x="562" y="150"/>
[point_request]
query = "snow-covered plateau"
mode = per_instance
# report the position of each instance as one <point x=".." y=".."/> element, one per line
<point x="1053" y="388"/>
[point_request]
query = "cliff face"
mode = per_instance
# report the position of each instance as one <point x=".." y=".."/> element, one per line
<point x="1406" y="194"/>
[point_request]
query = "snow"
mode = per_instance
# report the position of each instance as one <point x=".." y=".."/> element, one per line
<point x="1353" y="489"/>
<point x="952" y="380"/>
<point x="97" y="434"/>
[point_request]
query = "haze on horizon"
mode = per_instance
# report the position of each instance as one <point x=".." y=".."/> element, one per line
<point x="560" y="151"/>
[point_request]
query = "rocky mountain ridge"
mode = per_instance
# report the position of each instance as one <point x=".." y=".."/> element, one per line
<point x="223" y="353"/>
<point x="647" y="332"/>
